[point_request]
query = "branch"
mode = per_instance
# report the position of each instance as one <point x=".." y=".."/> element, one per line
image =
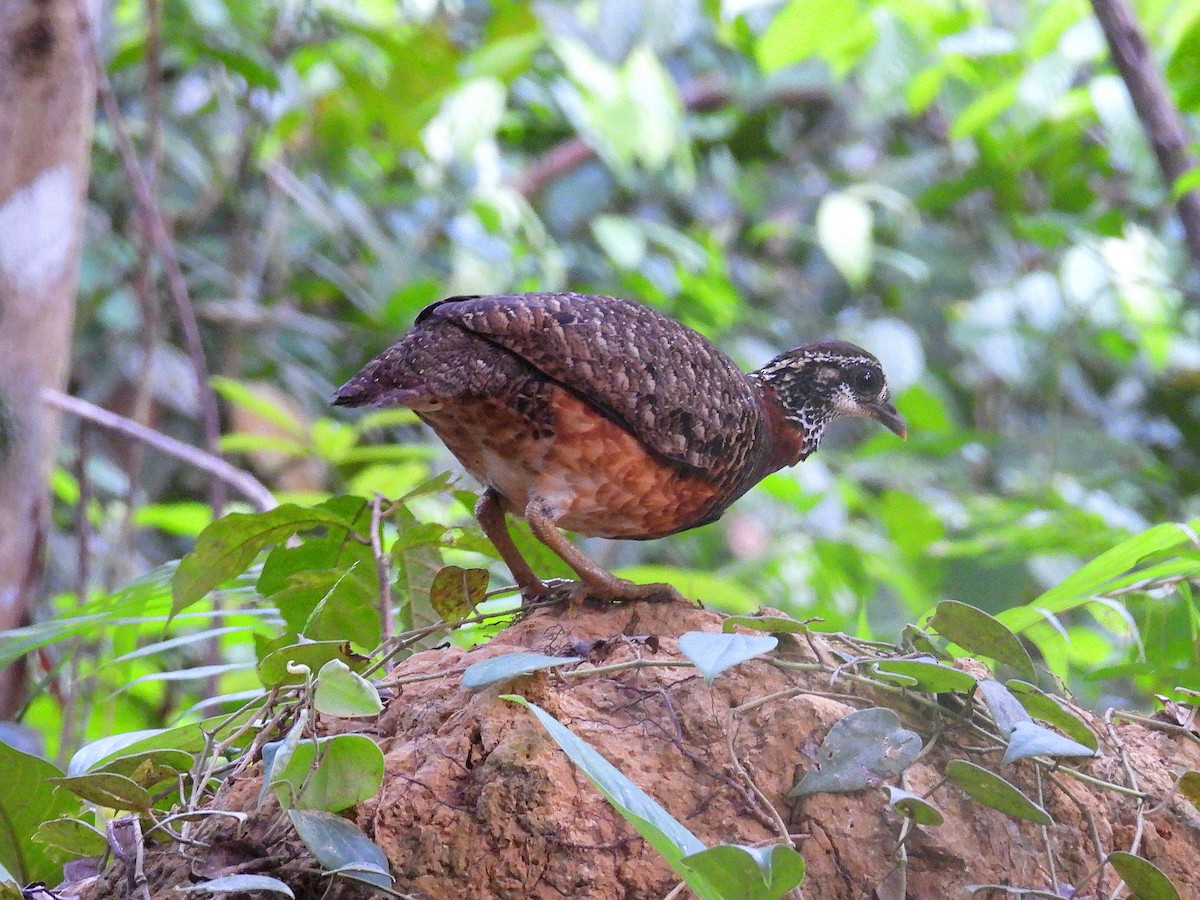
<point x="242" y="482"/>
<point x="697" y="96"/>
<point x="155" y="229"/>
<point x="1160" y="119"/>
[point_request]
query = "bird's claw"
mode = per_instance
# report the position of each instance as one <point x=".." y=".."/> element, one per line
<point x="580" y="592"/>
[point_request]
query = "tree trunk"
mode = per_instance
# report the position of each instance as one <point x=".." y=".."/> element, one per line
<point x="46" y="102"/>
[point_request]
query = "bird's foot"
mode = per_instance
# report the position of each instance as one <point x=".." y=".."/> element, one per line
<point x="619" y="590"/>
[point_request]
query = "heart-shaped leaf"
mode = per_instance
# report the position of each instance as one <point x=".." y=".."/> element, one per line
<point x="348" y="769"/>
<point x="339" y="845"/>
<point x="510" y="665"/>
<point x="977" y="632"/>
<point x="1049" y="709"/>
<point x="456" y="592"/>
<point x="913" y="807"/>
<point x="749" y="873"/>
<point x="1031" y="739"/>
<point x="344" y="693"/>
<point x="861" y="750"/>
<point x="107" y="789"/>
<point x="714" y="653"/>
<point x="991" y="790"/>
<point x="1006" y="710"/>
<point x="71" y="835"/>
<point x="273" y="668"/>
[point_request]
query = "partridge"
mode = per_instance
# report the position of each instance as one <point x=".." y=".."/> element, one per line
<point x="607" y="418"/>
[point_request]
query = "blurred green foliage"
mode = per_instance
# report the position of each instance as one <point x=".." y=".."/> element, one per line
<point x="961" y="187"/>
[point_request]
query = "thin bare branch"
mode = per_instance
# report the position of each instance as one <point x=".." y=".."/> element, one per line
<point x="151" y="218"/>
<point x="241" y="481"/>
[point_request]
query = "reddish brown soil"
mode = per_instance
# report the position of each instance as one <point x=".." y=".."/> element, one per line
<point x="479" y="802"/>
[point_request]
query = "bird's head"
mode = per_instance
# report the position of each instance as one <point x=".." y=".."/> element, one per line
<point x="816" y="383"/>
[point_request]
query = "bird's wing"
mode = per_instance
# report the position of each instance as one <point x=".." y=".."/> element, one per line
<point x="669" y="385"/>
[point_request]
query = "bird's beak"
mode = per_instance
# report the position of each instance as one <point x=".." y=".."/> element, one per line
<point x="884" y="412"/>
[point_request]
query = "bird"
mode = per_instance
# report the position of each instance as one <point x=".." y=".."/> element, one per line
<point x="607" y="418"/>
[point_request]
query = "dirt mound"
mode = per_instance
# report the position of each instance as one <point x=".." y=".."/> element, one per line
<point x="479" y="801"/>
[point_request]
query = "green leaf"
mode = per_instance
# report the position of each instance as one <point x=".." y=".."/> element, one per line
<point x="457" y="592"/>
<point x="238" y="884"/>
<point x="749" y="873"/>
<point x="27" y="799"/>
<point x="330" y="773"/>
<point x="1097" y="575"/>
<point x="1188" y="181"/>
<point x="835" y="30"/>
<point x="773" y="624"/>
<point x="1189" y="786"/>
<point x="1006" y="710"/>
<point x="991" y="790"/>
<point x="929" y="675"/>
<point x="1049" y="709"/>
<point x="107" y="789"/>
<point x="339" y="845"/>
<point x="913" y="807"/>
<point x="716" y="591"/>
<point x="1030" y="739"/>
<point x="1146" y="880"/>
<point x="510" y="665"/>
<point x="977" y="632"/>
<point x="714" y="653"/>
<point x="344" y="693"/>
<point x="228" y="546"/>
<point x="334" y="604"/>
<point x="417" y="556"/>
<point x="661" y="830"/>
<point x="861" y="750"/>
<point x="260" y="404"/>
<point x="150" y="767"/>
<point x="71" y="835"/>
<point x="273" y="668"/>
<point x="844" y="231"/>
<point x="984" y="110"/>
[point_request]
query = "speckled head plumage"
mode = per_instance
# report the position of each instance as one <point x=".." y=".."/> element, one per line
<point x="816" y="383"/>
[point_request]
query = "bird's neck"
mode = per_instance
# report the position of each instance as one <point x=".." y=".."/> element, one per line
<point x="793" y="431"/>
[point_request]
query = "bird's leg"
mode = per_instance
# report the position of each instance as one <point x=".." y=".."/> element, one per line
<point x="489" y="511"/>
<point x="599" y="582"/>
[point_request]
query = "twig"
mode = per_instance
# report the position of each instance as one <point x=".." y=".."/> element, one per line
<point x="1160" y="119"/>
<point x="156" y="229"/>
<point x="387" y="616"/>
<point x="243" y="482"/>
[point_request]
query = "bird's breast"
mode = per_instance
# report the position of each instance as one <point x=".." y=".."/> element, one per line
<point x="596" y="476"/>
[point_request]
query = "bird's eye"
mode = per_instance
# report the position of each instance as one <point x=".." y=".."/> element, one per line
<point x="867" y="381"/>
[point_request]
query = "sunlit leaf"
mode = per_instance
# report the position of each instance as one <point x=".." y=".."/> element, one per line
<point x="330" y="773"/>
<point x="28" y="798"/>
<point x="344" y="693"/>
<point x="753" y="873"/>
<point x="712" y="653"/>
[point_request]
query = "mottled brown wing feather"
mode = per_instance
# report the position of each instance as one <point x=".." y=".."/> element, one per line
<point x="671" y="386"/>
